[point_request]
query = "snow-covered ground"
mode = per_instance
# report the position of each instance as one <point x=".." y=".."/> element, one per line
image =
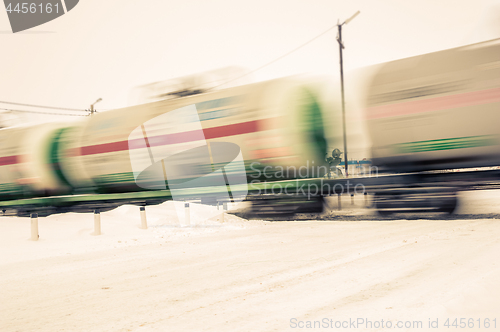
<point x="239" y="275"/>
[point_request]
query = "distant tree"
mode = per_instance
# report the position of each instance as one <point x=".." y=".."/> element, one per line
<point x="334" y="161"/>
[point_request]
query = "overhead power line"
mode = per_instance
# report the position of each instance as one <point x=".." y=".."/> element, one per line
<point x="35" y="112"/>
<point x="229" y="81"/>
<point x="278" y="58"/>
<point x="40" y="106"/>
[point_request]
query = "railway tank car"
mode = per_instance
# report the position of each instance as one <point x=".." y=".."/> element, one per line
<point x="273" y="124"/>
<point x="27" y="156"/>
<point x="429" y="115"/>
<point x="437" y="111"/>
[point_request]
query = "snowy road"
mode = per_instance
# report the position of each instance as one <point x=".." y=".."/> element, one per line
<point x="249" y="276"/>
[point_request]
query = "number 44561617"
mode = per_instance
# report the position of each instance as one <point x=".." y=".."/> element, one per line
<point x="32" y="8"/>
<point x="471" y="323"/>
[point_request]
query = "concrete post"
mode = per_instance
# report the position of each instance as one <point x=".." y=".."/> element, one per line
<point x="97" y="222"/>
<point x="34" y="227"/>
<point x="187" y="214"/>
<point x="224" y="207"/>
<point x="144" y="222"/>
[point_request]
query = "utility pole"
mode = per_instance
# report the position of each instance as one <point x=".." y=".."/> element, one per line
<point x="92" y="111"/>
<point x="341" y="47"/>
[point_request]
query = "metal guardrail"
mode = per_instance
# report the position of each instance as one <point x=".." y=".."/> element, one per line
<point x="469" y="180"/>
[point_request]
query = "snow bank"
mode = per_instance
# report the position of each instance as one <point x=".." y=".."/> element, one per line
<point x="72" y="233"/>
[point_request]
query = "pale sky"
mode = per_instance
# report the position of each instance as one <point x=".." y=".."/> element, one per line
<point x="103" y="48"/>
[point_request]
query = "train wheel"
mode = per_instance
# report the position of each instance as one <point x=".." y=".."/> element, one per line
<point x="383" y="203"/>
<point x="449" y="204"/>
<point x="416" y="200"/>
<point x="277" y="206"/>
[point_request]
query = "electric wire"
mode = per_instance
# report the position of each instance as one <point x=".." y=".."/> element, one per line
<point x="40" y="106"/>
<point x="35" y="112"/>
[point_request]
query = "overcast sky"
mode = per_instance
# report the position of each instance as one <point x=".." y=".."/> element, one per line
<point x="102" y="49"/>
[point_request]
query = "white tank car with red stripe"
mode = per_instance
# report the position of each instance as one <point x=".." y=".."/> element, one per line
<point x="437" y="111"/>
<point x="27" y="159"/>
<point x="274" y="123"/>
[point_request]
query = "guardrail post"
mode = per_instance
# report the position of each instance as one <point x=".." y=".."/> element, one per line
<point x="187" y="215"/>
<point x="352" y="199"/>
<point x="97" y="222"/>
<point x="34" y="227"/>
<point x="366" y="198"/>
<point x="144" y="222"/>
<point x="224" y="209"/>
<point x="340" y="205"/>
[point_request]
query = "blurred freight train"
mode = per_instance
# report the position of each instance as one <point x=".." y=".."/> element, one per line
<point x="264" y="126"/>
<point x="438" y="110"/>
<point x="435" y="111"/>
<point x="424" y="114"/>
